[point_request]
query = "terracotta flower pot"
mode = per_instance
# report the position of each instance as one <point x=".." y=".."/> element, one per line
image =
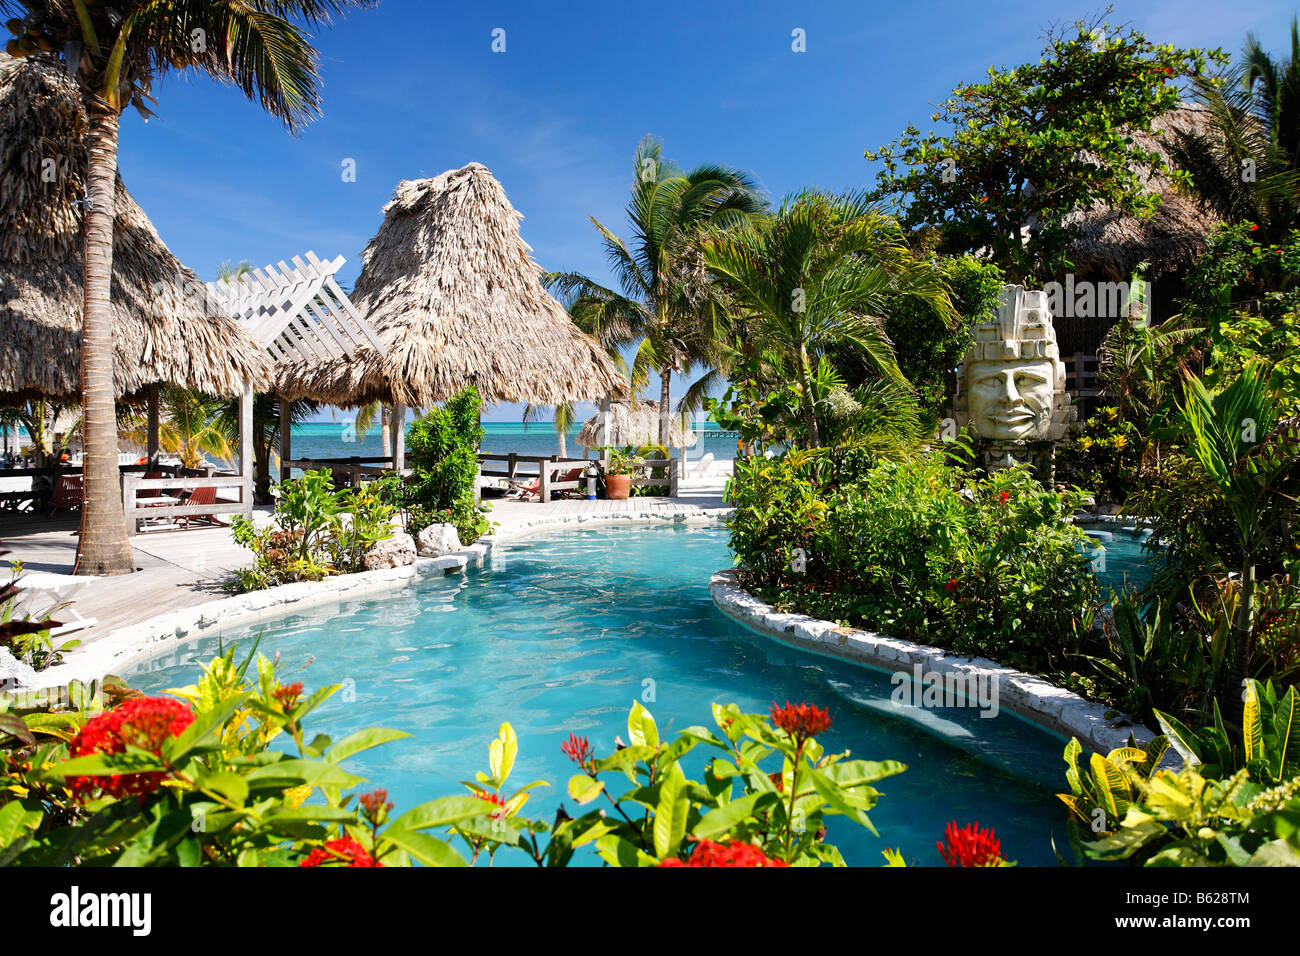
<point x="618" y="487"/>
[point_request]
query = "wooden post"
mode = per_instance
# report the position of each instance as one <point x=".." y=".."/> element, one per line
<point x="286" y="438"/>
<point x="246" y="446"/>
<point x="544" y="479"/>
<point x="399" y="437"/>
<point x="154" y="425"/>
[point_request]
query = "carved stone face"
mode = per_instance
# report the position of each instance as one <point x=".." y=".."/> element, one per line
<point x="1011" y="400"/>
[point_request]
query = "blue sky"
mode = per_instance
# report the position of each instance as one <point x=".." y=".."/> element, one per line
<point x="413" y="88"/>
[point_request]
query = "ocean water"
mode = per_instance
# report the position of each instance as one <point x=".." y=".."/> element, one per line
<point x="561" y="632"/>
<point x="340" y="440"/>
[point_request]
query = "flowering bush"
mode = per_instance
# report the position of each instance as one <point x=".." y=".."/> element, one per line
<point x="1104" y="456"/>
<point x="227" y="775"/>
<point x="989" y="567"/>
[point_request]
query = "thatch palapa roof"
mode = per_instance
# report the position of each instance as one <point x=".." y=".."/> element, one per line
<point x="453" y="291"/>
<point x="633" y="423"/>
<point x="1111" y="244"/>
<point x="164" y="330"/>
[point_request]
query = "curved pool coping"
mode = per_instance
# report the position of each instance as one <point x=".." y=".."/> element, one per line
<point x="1038" y="701"/>
<point x="129" y="645"/>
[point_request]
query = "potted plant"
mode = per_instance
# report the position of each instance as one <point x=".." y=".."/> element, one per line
<point x="623" y="464"/>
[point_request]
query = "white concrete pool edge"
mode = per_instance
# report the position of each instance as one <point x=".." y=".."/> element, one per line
<point x="128" y="645"/>
<point x="1033" y="698"/>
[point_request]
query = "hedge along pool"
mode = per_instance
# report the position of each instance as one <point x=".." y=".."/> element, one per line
<point x="561" y="631"/>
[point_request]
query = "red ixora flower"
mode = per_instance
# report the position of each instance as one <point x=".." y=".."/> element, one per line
<point x="342" y="852"/>
<point x="1254" y="226"/>
<point x="708" y="853"/>
<point x="496" y="800"/>
<point x="969" y="846"/>
<point x="1004" y="497"/>
<point x="144" y="722"/>
<point x="801" y="720"/>
<point x="287" y="694"/>
<point x="578" y="749"/>
<point x="951" y="585"/>
<point x="375" y="801"/>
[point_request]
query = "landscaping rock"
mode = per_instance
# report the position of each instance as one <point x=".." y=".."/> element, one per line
<point x="437" y="540"/>
<point x="394" y="552"/>
<point x="14" y="673"/>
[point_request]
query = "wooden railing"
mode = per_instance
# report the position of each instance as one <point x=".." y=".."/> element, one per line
<point x="139" y="509"/>
<point x="660" y="472"/>
<point x="547" y="468"/>
<point x="355" y="469"/>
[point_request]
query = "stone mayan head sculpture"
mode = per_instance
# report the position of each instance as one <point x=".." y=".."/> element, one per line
<point x="1011" y="383"/>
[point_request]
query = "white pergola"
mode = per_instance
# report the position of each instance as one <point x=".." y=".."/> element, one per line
<point x="297" y="312"/>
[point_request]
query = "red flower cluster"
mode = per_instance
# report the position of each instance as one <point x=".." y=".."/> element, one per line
<point x="578" y="749"/>
<point x="342" y="852"/>
<point x="777" y="780"/>
<point x="496" y="800"/>
<point x="144" y="722"/>
<point x="374" y="802"/>
<point x="708" y="853"/>
<point x="969" y="846"/>
<point x="1004" y="497"/>
<point x="287" y="695"/>
<point x="801" y="720"/>
<point x="951" y="585"/>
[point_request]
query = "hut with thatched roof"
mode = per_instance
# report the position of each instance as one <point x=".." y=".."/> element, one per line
<point x="453" y="291"/>
<point x="1108" y="245"/>
<point x="632" y="422"/>
<point x="166" y="328"/>
<point x="164" y="331"/>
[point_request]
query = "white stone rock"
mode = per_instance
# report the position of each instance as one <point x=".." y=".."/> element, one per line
<point x="14" y="673"/>
<point x="437" y="540"/>
<point x="394" y="552"/>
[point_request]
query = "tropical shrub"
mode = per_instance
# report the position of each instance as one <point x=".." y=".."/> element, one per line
<point x="1232" y="804"/>
<point x="442" y="451"/>
<point x="316" y="531"/>
<point x="228" y="775"/>
<point x="990" y="566"/>
<point x="1104" y="456"/>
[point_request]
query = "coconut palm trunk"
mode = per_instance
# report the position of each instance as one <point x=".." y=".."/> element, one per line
<point x="806" y="399"/>
<point x="665" y="381"/>
<point x="1241" y="628"/>
<point x="103" y="547"/>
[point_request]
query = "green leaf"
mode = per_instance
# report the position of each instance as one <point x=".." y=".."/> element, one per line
<point x="584" y="789"/>
<point x="426" y="849"/>
<point x="641" y="727"/>
<point x="230" y="785"/>
<point x="440" y="812"/>
<point x="854" y="773"/>
<point x="362" y="740"/>
<point x="203" y="733"/>
<point x="295" y="772"/>
<point x="14" y="819"/>
<point x="501" y="753"/>
<point x="722" y="819"/>
<point x="672" y="812"/>
<point x="616" y="851"/>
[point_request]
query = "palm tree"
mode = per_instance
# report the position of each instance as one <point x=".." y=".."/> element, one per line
<point x="816" y="275"/>
<point x="39" y="419"/>
<point x="563" y="422"/>
<point x="1246" y="165"/>
<point x="1252" y="457"/>
<point x="665" y="308"/>
<point x="190" y="427"/>
<point x="115" y="53"/>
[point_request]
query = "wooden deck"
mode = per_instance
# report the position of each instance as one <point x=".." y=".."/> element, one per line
<point x="177" y="569"/>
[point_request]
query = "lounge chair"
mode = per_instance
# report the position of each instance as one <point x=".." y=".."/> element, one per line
<point x="200" y="496"/>
<point x="62" y="587"/>
<point x="67" y="494"/>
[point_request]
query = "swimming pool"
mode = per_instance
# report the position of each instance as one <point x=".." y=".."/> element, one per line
<point x="561" y="631"/>
<point x="1122" y="559"/>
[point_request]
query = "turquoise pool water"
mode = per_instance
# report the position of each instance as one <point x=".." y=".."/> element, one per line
<point x="563" y="631"/>
<point x="1123" y="560"/>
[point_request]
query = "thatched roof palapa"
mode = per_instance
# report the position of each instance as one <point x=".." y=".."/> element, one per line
<point x="453" y="291"/>
<point x="164" y="329"/>
<point x="1112" y="245"/>
<point x="632" y="423"/>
